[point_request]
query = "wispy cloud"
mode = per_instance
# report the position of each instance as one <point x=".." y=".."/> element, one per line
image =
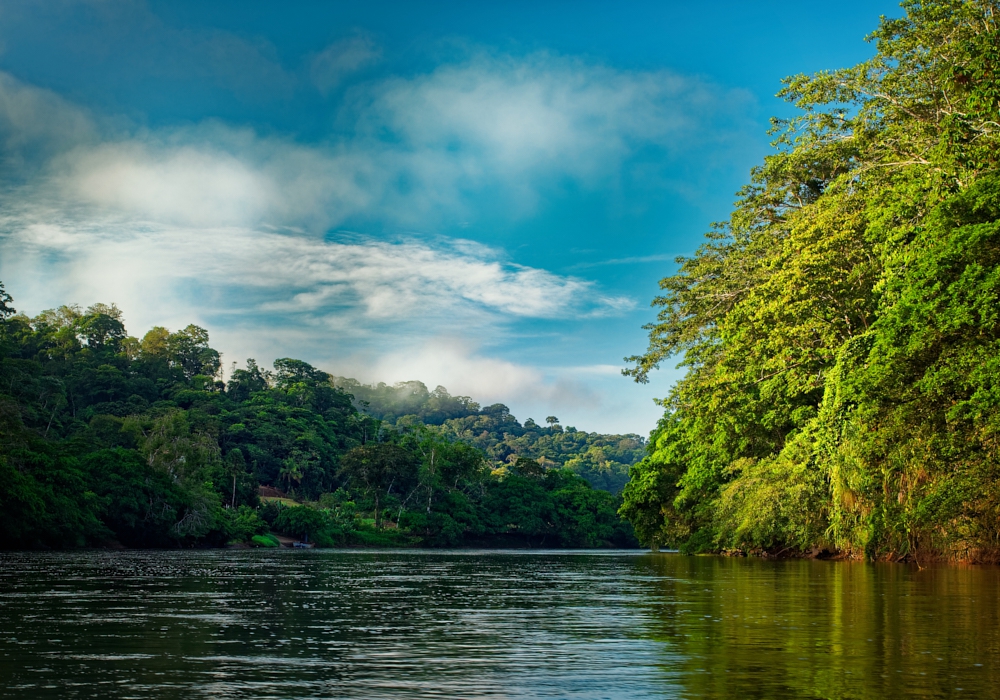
<point x="342" y="58"/>
<point x="355" y="284"/>
<point x="507" y="116"/>
<point x="633" y="260"/>
<point x="36" y="125"/>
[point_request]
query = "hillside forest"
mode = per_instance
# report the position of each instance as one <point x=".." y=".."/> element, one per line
<point x="111" y="440"/>
<point x="841" y="331"/>
<point x="603" y="460"/>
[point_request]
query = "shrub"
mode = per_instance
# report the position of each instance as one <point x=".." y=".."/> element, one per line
<point x="267" y="540"/>
<point x="242" y="523"/>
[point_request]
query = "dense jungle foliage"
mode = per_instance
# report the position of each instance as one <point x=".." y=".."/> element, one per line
<point x="603" y="460"/>
<point x="841" y="331"/>
<point x="106" y="439"/>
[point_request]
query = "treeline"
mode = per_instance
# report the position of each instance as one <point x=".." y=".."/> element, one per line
<point x="841" y="331"/>
<point x="603" y="460"/>
<point x="107" y="439"/>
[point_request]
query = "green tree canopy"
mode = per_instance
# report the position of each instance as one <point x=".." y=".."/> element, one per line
<point x="836" y="330"/>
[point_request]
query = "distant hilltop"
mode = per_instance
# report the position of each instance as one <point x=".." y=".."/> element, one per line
<point x="603" y="460"/>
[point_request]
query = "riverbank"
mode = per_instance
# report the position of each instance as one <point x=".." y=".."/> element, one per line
<point x="920" y="559"/>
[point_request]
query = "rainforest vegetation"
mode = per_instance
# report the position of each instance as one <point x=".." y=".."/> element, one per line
<point x="841" y="331"/>
<point x="603" y="460"/>
<point x="108" y="439"/>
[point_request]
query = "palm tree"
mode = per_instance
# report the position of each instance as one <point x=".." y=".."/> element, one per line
<point x="290" y="471"/>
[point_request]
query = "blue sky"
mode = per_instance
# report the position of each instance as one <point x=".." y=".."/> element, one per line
<point x="477" y="195"/>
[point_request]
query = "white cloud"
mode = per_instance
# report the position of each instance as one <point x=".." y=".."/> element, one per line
<point x="542" y="112"/>
<point x="213" y="175"/>
<point x="188" y="185"/>
<point x="356" y="285"/>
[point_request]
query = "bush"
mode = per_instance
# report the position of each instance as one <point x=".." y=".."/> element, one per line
<point x="242" y="523"/>
<point x="267" y="540"/>
<point x="308" y="524"/>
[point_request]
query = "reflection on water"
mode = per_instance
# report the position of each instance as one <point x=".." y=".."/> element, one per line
<point x="239" y="624"/>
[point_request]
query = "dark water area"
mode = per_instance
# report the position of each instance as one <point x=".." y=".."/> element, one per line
<point x="465" y="624"/>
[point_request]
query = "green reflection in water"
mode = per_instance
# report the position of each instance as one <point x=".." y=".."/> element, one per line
<point x="810" y="629"/>
<point x="237" y="624"/>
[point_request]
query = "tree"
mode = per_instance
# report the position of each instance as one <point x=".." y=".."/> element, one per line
<point x="243" y="383"/>
<point x="375" y="468"/>
<point x="302" y="521"/>
<point x="189" y="350"/>
<point x="6" y="310"/>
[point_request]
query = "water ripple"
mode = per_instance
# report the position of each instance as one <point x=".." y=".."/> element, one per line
<point x="484" y="624"/>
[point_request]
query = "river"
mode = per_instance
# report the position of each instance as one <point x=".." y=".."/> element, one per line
<point x="489" y="624"/>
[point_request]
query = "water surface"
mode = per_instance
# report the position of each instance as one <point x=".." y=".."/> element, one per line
<point x="486" y="624"/>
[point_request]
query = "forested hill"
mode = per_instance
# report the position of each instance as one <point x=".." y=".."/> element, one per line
<point x="109" y="439"/>
<point x="603" y="460"/>
<point x="841" y="331"/>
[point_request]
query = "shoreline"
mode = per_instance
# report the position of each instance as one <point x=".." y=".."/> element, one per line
<point x="638" y="551"/>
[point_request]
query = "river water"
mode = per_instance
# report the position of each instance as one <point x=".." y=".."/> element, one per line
<point x="477" y="624"/>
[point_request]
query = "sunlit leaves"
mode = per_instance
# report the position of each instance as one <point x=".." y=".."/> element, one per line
<point x="840" y="329"/>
